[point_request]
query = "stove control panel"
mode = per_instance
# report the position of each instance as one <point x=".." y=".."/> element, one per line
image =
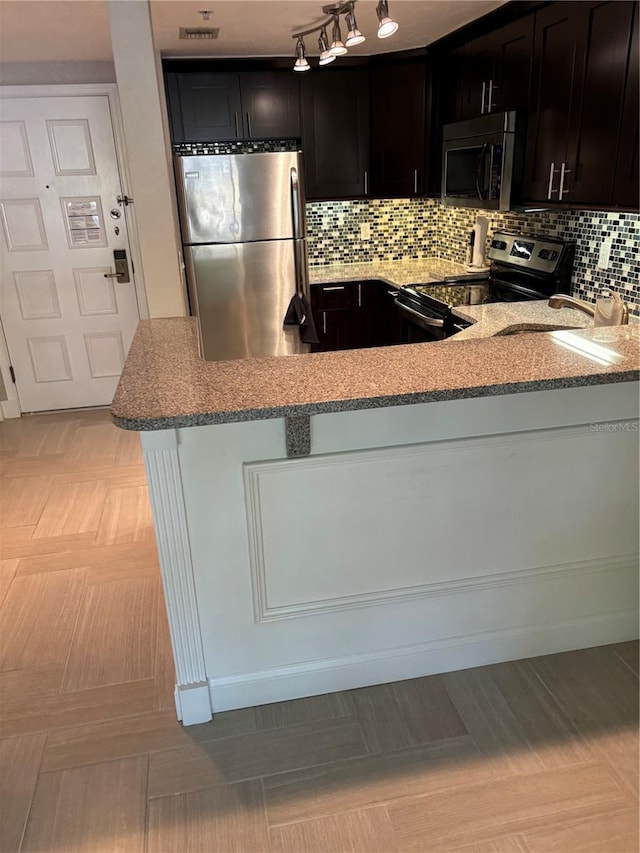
<point x="537" y="254"/>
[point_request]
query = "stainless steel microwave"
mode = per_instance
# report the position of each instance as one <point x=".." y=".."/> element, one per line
<point x="482" y="162"/>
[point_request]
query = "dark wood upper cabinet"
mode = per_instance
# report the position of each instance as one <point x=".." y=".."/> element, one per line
<point x="593" y="140"/>
<point x="491" y="73"/>
<point x="513" y="56"/>
<point x="627" y="181"/>
<point x="218" y="105"/>
<point x="270" y="104"/>
<point x="335" y="133"/>
<point x="398" y="98"/>
<point x="580" y="79"/>
<point x="478" y="64"/>
<point x="556" y="64"/>
<point x="205" y="106"/>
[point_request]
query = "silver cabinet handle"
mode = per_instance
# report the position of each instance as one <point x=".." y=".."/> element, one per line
<point x="335" y="287"/>
<point x="492" y="89"/>
<point x="112" y="274"/>
<point x="248" y="124"/>
<point x="366" y="182"/>
<point x="484" y="86"/>
<point x="415" y="181"/>
<point x="427" y="321"/>
<point x="324" y="322"/>
<point x="359" y="296"/>
<point x="552" y="172"/>
<point x="235" y="119"/>
<point x="563" y="171"/>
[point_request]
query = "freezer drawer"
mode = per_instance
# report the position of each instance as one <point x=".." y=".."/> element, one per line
<point x="236" y="198"/>
<point x="240" y="293"/>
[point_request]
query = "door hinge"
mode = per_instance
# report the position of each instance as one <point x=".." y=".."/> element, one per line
<point x="12" y="373"/>
<point x="124" y="199"/>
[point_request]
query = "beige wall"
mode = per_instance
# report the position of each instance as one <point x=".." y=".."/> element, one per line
<point x="55" y="73"/>
<point x="3" y="392"/>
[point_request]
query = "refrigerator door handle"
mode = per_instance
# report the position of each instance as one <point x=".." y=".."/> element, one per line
<point x="299" y="243"/>
<point x="296" y="204"/>
<point x="300" y="263"/>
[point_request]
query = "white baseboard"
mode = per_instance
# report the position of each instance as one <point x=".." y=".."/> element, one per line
<point x="10" y="408"/>
<point x="326" y="676"/>
<point x="193" y="704"/>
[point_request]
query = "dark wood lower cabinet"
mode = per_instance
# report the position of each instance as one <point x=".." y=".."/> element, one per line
<point x="355" y="314"/>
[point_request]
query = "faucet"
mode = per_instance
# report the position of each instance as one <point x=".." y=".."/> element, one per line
<point x="561" y="300"/>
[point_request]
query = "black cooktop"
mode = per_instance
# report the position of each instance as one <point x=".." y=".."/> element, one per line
<point x="452" y="295"/>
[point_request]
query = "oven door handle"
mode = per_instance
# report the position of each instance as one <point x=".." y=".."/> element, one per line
<point x="427" y="321"/>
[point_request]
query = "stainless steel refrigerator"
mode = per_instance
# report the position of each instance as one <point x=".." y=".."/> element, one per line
<point x="244" y="237"/>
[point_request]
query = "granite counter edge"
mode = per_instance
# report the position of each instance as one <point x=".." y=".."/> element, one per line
<point x="363" y="403"/>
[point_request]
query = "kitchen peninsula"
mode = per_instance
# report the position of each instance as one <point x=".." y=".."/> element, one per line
<point x="338" y="519"/>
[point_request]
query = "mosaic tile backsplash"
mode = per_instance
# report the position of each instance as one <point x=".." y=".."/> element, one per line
<point x="417" y="228"/>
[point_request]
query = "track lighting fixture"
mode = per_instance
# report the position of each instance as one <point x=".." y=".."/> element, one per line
<point x="328" y="52"/>
<point x="301" y="63"/>
<point x="386" y="25"/>
<point x="323" y="44"/>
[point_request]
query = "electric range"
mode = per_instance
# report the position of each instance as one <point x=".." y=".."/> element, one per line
<point x="522" y="268"/>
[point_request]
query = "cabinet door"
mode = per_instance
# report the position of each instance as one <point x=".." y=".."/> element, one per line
<point x="556" y="63"/>
<point x="513" y="54"/>
<point x="627" y="180"/>
<point x="398" y="130"/>
<point x="270" y="104"/>
<point x="595" y="130"/>
<point x="210" y="106"/>
<point x="448" y="76"/>
<point x="335" y="133"/>
<point x="334" y="329"/>
<point x="366" y="311"/>
<point x="479" y="70"/>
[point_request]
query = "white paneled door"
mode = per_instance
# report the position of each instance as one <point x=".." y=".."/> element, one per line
<point x="67" y="320"/>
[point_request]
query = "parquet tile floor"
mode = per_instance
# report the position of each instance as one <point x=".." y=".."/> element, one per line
<point x="534" y="756"/>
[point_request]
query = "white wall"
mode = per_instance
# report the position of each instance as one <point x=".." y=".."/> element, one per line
<point x="140" y="90"/>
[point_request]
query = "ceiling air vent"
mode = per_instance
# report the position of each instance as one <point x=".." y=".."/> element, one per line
<point x="199" y="32"/>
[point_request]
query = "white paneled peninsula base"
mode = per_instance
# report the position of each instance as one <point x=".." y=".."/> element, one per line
<point x="413" y="539"/>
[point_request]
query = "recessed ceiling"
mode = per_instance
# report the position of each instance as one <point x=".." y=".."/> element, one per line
<point x="78" y="30"/>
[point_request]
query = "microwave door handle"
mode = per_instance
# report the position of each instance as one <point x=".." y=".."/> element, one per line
<point x="490" y="172"/>
<point x="479" y="170"/>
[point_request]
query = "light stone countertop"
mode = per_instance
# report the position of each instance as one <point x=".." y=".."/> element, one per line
<point x="396" y="273"/>
<point x="495" y="317"/>
<point x="165" y="384"/>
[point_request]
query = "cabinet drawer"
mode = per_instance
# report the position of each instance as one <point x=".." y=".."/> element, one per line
<point x="327" y="296"/>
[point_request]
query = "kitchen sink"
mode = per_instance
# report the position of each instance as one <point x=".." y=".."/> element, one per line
<point x="529" y="328"/>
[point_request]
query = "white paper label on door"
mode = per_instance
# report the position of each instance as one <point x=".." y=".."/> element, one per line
<point x="84" y="222"/>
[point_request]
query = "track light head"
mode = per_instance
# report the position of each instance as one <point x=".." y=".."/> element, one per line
<point x="354" y="35"/>
<point x="337" y="45"/>
<point x="323" y="43"/>
<point x="301" y="63"/>
<point x="386" y="25"/>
